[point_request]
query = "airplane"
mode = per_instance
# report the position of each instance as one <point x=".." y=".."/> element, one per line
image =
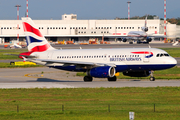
<point x="140" y="36"/>
<point x="15" y="45"/>
<point x="98" y="63"/>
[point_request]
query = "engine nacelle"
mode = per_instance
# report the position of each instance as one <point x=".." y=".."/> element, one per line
<point x="137" y="73"/>
<point x="102" y="72"/>
<point x="148" y="39"/>
<point x="124" y="40"/>
<point x="145" y="29"/>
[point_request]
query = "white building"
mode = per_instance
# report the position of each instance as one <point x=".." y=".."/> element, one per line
<point x="69" y="28"/>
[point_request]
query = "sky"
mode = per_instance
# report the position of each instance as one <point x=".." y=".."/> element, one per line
<point x="88" y="9"/>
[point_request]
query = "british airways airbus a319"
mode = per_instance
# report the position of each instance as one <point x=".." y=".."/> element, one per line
<point x="99" y="63"/>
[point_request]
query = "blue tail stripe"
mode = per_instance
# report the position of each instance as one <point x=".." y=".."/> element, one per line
<point x="30" y="39"/>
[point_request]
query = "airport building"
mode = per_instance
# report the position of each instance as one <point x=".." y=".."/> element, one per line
<point x="72" y="29"/>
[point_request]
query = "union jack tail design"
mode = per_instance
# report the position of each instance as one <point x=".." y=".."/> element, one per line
<point x="36" y="42"/>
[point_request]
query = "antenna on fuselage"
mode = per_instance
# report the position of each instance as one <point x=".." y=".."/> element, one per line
<point x="149" y="46"/>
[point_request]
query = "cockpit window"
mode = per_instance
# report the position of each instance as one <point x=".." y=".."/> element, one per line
<point x="162" y="55"/>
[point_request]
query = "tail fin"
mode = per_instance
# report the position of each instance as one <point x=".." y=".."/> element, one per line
<point x="145" y="28"/>
<point x="36" y="42"/>
<point x="145" y="22"/>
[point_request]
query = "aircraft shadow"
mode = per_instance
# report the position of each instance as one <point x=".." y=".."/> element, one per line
<point x="51" y="80"/>
<point x="135" y="80"/>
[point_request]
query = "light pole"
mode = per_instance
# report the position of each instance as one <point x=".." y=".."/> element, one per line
<point x="165" y="25"/>
<point x="27" y="8"/>
<point x="18" y="24"/>
<point x="128" y="9"/>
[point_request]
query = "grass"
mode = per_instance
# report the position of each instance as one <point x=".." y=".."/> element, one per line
<point x="3" y="53"/>
<point x="90" y="103"/>
<point x="174" y="52"/>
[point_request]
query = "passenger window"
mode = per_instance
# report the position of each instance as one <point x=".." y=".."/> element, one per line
<point x="157" y="55"/>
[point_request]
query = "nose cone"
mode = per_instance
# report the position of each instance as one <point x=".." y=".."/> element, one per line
<point x="173" y="61"/>
<point x="170" y="61"/>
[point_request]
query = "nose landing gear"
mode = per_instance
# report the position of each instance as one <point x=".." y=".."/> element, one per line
<point x="152" y="78"/>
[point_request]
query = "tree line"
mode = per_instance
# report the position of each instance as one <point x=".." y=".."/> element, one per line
<point x="171" y="20"/>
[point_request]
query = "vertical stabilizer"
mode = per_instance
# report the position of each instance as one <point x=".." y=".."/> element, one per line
<point x="145" y="28"/>
<point x="36" y="42"/>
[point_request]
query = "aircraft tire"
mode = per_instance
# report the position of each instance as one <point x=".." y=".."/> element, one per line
<point x="138" y="42"/>
<point x="152" y="78"/>
<point x="88" y="79"/>
<point x="130" y="42"/>
<point x="112" y="79"/>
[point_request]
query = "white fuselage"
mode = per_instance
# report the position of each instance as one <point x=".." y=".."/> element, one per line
<point x="129" y="58"/>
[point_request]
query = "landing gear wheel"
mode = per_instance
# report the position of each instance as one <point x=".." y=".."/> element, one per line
<point x="88" y="79"/>
<point x="138" y="42"/>
<point x="112" y="79"/>
<point x="131" y="42"/>
<point x="152" y="78"/>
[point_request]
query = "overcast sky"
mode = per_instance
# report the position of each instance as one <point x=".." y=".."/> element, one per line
<point x="88" y="9"/>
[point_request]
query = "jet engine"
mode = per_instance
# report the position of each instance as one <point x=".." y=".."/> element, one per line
<point x="102" y="72"/>
<point x="148" y="39"/>
<point x="145" y="29"/>
<point x="124" y="40"/>
<point x="136" y="73"/>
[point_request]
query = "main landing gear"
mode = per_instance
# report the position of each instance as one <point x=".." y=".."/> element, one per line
<point x="112" y="79"/>
<point x="152" y="78"/>
<point x="89" y="79"/>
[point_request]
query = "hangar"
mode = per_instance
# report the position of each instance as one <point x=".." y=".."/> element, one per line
<point x="72" y="29"/>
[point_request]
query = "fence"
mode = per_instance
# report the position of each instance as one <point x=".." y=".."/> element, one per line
<point x="90" y="108"/>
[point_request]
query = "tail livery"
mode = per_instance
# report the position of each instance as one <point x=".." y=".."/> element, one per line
<point x="36" y="42"/>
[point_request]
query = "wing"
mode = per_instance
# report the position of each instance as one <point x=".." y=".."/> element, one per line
<point x="77" y="63"/>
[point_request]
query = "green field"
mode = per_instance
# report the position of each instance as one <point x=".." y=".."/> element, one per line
<point x="3" y="53"/>
<point x="90" y="103"/>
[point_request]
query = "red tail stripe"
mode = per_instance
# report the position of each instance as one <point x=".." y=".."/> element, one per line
<point x="29" y="28"/>
<point x="40" y="48"/>
<point x="25" y="53"/>
<point x="142" y="52"/>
